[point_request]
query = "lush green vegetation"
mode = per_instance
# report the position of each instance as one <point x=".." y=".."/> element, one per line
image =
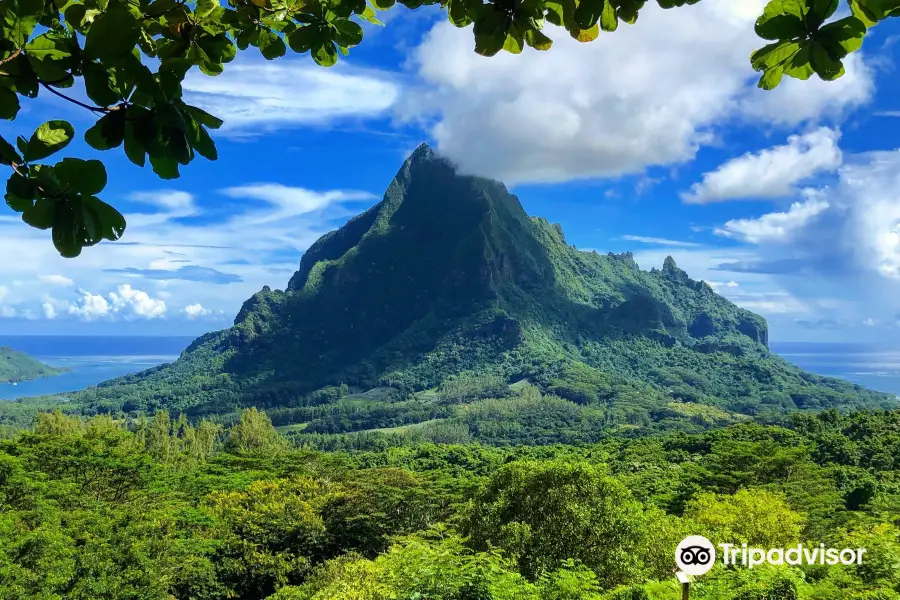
<point x="109" y="47"/>
<point x="16" y="366"/>
<point x="495" y="330"/>
<point x="161" y="508"/>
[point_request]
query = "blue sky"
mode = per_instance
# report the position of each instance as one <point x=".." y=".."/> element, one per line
<point x="652" y="139"/>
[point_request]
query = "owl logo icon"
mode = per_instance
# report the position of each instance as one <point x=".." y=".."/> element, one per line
<point x="695" y="555"/>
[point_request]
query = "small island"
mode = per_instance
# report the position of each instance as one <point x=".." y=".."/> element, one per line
<point x="16" y="366"/>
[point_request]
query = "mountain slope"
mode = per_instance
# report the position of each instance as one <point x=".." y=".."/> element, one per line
<point x="448" y="275"/>
<point x="16" y="366"/>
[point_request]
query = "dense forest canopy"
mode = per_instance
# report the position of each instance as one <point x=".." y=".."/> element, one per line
<point x="131" y="57"/>
<point x="163" y="509"/>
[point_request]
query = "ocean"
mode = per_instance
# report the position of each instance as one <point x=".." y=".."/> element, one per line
<point x="91" y="359"/>
<point x="873" y="366"/>
<point x="96" y="359"/>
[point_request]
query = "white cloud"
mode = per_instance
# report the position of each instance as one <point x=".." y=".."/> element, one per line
<point x="794" y="101"/>
<point x="172" y="201"/>
<point x="870" y="322"/>
<point x="771" y="173"/>
<point x="723" y="284"/>
<point x="194" y="311"/>
<point x="254" y="93"/>
<point x="125" y="302"/>
<point x="290" y="201"/>
<point x="7" y="312"/>
<point x="648" y="94"/>
<point x="257" y="242"/>
<point x="775" y="227"/>
<point x="49" y="310"/>
<point x="841" y="246"/>
<point x="59" y="280"/>
<point x="659" y="241"/>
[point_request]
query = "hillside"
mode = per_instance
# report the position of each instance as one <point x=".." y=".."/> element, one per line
<point x="447" y="284"/>
<point x="16" y="366"/>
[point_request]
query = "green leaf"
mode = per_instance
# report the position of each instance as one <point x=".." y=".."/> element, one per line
<point x="819" y="11"/>
<point x="97" y="84"/>
<point x="40" y="215"/>
<point x="588" y="13"/>
<point x="102" y="221"/>
<point x="165" y="167"/>
<point x="491" y="29"/>
<point x="628" y="10"/>
<point x="8" y="154"/>
<point x="75" y="15"/>
<point x="204" y="117"/>
<point x="9" y="104"/>
<point x="383" y="4"/>
<point x="782" y="20"/>
<point x="20" y="192"/>
<point x="842" y="37"/>
<point x="51" y="45"/>
<point x="302" y="39"/>
<point x="324" y="53"/>
<point x="861" y="11"/>
<point x="369" y="15"/>
<point x="537" y="40"/>
<point x="108" y="132"/>
<point x="608" y="19"/>
<point x="514" y="43"/>
<point x="133" y="149"/>
<point x="160" y="7"/>
<point x="823" y="63"/>
<point x="587" y="35"/>
<point x="50" y="137"/>
<point x="20" y="18"/>
<point x="773" y="55"/>
<point x="771" y="78"/>
<point x="348" y="33"/>
<point x="799" y="66"/>
<point x="86" y="177"/>
<point x="113" y="34"/>
<point x="271" y="46"/>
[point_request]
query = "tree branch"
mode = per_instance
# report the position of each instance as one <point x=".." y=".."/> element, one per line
<point x="102" y="109"/>
<point x="12" y="56"/>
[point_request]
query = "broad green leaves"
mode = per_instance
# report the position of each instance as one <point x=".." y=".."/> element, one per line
<point x="133" y="55"/>
<point x="113" y="34"/>
<point x="47" y="139"/>
<point x="802" y="45"/>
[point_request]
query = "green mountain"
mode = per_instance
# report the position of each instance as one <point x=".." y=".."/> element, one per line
<point x="16" y="366"/>
<point x="445" y="290"/>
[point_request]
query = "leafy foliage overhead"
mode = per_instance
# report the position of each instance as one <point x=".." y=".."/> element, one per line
<point x="107" y="48"/>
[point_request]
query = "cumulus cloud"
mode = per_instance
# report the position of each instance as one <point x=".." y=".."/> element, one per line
<point x="254" y="93"/>
<point x="126" y="302"/>
<point x="195" y="311"/>
<point x="648" y="94"/>
<point x="771" y="173"/>
<point x="842" y="242"/>
<point x="60" y="280"/>
<point x="775" y="227"/>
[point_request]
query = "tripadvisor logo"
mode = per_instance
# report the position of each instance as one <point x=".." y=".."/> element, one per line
<point x="696" y="555"/>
